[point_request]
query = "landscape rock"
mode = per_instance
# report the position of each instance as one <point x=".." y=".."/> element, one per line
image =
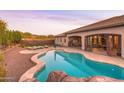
<point x="103" y="79"/>
<point x="31" y="80"/>
<point x="57" y="76"/>
<point x="73" y="79"/>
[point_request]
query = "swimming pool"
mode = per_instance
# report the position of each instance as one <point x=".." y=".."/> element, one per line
<point x="76" y="65"/>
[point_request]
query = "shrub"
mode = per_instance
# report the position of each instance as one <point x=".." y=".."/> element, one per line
<point x="1" y="57"/>
<point x="2" y="68"/>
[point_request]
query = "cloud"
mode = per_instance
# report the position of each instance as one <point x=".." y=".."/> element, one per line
<point x="52" y="22"/>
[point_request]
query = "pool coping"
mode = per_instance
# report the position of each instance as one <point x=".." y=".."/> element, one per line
<point x="86" y="54"/>
<point x="29" y="74"/>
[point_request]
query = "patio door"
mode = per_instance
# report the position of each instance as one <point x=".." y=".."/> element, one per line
<point x="114" y="45"/>
<point x="108" y="44"/>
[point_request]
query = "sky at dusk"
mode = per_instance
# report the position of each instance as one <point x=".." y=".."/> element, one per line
<point x="54" y="22"/>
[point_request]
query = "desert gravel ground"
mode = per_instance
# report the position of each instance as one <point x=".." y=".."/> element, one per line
<point x="16" y="63"/>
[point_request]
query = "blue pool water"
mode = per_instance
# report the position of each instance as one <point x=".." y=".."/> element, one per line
<point x="76" y="65"/>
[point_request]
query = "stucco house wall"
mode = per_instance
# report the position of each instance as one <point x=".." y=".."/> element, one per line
<point x="114" y="30"/>
<point x="62" y="41"/>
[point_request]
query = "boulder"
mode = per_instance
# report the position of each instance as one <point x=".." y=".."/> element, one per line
<point x="57" y="76"/>
<point x="73" y="79"/>
<point x="31" y="80"/>
<point x="103" y="79"/>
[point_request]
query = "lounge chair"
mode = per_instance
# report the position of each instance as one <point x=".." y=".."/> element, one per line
<point x="45" y="46"/>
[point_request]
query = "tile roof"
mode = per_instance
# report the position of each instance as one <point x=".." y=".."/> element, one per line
<point x="107" y="23"/>
<point x="61" y="35"/>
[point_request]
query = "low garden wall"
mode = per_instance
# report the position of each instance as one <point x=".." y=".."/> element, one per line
<point x="36" y="42"/>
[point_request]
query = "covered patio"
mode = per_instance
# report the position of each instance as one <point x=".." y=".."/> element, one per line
<point x="75" y="41"/>
<point x="107" y="44"/>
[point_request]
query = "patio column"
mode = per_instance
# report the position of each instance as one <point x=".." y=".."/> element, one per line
<point x="83" y="42"/>
<point x="122" y="45"/>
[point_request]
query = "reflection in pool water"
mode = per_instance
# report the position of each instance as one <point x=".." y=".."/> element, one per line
<point x="75" y="64"/>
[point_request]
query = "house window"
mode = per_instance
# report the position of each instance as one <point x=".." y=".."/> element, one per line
<point x="60" y="39"/>
<point x="65" y="40"/>
<point x="99" y="40"/>
<point x="95" y="40"/>
<point x="116" y="41"/>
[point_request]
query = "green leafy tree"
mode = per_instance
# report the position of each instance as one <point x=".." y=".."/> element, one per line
<point x="2" y="68"/>
<point x="8" y="37"/>
<point x="26" y="35"/>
